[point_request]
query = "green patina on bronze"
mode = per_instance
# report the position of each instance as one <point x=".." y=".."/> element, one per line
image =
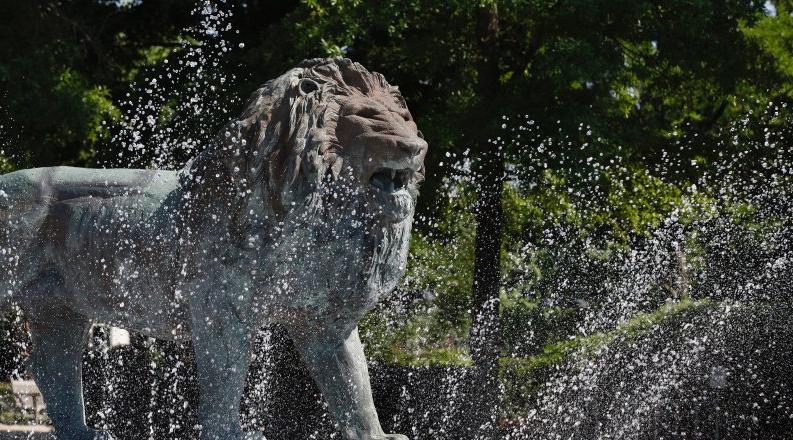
<point x="299" y="212"/>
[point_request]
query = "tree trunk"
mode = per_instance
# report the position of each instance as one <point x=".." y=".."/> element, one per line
<point x="485" y="341"/>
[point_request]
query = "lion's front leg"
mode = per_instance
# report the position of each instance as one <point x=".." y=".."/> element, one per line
<point x="338" y="365"/>
<point x="222" y="343"/>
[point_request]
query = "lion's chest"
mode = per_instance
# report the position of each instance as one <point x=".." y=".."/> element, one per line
<point x="332" y="275"/>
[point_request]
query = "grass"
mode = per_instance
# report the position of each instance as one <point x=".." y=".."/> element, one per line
<point x="522" y="377"/>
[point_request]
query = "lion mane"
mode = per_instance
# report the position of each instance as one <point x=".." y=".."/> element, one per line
<point x="284" y="143"/>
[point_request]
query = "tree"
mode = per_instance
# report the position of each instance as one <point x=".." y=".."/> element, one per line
<point x="632" y="72"/>
<point x="638" y="74"/>
<point x="485" y="343"/>
<point x="65" y="66"/>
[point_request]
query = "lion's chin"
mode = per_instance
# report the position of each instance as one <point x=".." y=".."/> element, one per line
<point x="393" y="206"/>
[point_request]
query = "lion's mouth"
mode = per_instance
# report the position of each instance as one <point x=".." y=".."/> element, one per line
<point x="390" y="180"/>
<point x="389" y="188"/>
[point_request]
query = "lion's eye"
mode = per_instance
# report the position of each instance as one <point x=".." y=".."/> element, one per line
<point x="307" y="86"/>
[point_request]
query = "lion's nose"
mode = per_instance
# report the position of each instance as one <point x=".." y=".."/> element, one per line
<point x="414" y="147"/>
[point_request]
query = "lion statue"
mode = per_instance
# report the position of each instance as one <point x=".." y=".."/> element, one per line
<point x="298" y="213"/>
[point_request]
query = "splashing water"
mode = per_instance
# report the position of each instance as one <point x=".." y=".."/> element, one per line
<point x="691" y="337"/>
<point x="681" y="332"/>
<point x="172" y="112"/>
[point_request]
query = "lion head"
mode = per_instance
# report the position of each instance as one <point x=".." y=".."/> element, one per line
<point x="325" y="122"/>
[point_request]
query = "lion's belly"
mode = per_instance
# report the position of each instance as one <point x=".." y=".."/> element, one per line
<point x="142" y="300"/>
<point x="131" y="288"/>
<point x="130" y="293"/>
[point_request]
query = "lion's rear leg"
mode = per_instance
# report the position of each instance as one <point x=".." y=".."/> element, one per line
<point x="56" y="363"/>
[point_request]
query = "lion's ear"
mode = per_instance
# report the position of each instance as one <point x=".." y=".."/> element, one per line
<point x="306" y="86"/>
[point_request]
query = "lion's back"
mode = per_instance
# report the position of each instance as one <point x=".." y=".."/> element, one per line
<point x="26" y="190"/>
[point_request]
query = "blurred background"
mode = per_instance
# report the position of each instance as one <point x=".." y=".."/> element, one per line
<point x="602" y="244"/>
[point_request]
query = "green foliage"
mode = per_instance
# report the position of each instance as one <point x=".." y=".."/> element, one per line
<point x="773" y="34"/>
<point x="5" y="165"/>
<point x="642" y="75"/>
<point x="64" y="66"/>
<point x="442" y="259"/>
<point x="521" y="377"/>
<point x="636" y="202"/>
<point x="72" y="117"/>
<point x="528" y="326"/>
<point x="414" y="341"/>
